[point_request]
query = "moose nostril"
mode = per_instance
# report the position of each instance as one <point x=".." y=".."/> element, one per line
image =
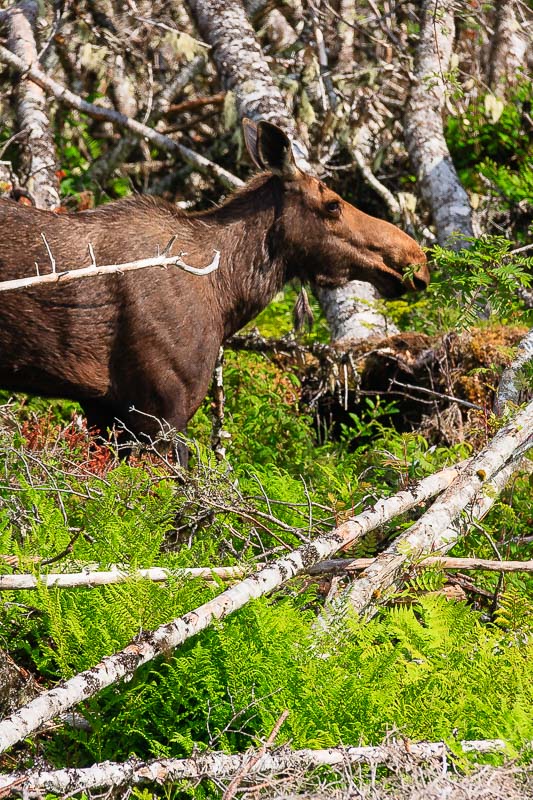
<point x="419" y="283"/>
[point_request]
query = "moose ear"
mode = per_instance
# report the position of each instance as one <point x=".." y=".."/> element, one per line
<point x="275" y="151"/>
<point x="249" y="128"/>
<point x="270" y="148"/>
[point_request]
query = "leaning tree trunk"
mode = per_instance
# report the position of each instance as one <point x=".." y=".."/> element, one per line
<point x="350" y="311"/>
<point x="424" y="133"/>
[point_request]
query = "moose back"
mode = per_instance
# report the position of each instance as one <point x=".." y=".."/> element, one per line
<point x="149" y="339"/>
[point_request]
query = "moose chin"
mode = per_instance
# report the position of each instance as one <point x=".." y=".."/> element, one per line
<point x="149" y="339"/>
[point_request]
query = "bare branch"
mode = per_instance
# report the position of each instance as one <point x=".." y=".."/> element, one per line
<point x="90" y="272"/>
<point x="64" y="95"/>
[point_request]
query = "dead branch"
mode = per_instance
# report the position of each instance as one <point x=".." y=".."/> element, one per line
<point x="64" y="95"/>
<point x="473" y="492"/>
<point x="196" y="102"/>
<point x="221" y="765"/>
<point x="91" y="578"/>
<point x="218" y="434"/>
<point x="149" y="644"/>
<point x="248" y="765"/>
<point x="424" y="134"/>
<point x="510" y="387"/>
<point x="66" y="276"/>
<point x="39" y="151"/>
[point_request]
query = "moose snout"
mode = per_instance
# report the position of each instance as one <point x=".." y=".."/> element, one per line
<point x="414" y="268"/>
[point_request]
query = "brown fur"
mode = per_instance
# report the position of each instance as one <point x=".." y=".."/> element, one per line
<point x="150" y="338"/>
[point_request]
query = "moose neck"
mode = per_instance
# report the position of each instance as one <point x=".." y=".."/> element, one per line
<point x="247" y="233"/>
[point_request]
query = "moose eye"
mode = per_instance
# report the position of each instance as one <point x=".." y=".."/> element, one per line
<point x="333" y="208"/>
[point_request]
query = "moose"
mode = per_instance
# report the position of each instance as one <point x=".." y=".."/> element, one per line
<point x="148" y="340"/>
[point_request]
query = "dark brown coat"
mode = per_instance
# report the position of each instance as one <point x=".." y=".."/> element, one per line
<point x="149" y="339"/>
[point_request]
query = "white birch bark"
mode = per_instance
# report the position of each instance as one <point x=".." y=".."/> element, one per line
<point x="40" y="158"/>
<point x="133" y="772"/>
<point x="352" y="312"/>
<point x="241" y="65"/>
<point x="424" y="134"/>
<point x="475" y="490"/>
<point x="510" y="386"/>
<point x="508" y="50"/>
<point x="64" y="95"/>
<point x="150" y="644"/>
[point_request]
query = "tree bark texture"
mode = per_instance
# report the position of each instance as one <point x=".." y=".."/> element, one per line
<point x="39" y="152"/>
<point x="508" y="50"/>
<point x="215" y="765"/>
<point x="511" y="386"/>
<point x="240" y="61"/>
<point x="424" y="134"/>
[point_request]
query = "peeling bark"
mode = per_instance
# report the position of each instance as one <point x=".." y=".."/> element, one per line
<point x="424" y="133"/>
<point x="39" y="150"/>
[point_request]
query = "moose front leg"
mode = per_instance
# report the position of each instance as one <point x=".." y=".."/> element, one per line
<point x="160" y="423"/>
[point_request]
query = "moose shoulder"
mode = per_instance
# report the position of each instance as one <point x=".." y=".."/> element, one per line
<point x="149" y="339"/>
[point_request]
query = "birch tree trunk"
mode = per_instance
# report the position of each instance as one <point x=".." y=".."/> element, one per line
<point x="512" y="383"/>
<point x="424" y="134"/>
<point x="39" y="153"/>
<point x="350" y="311"/>
<point x="474" y="491"/>
<point x="217" y="766"/>
<point x="508" y="49"/>
<point x="240" y="62"/>
<point x="149" y="644"/>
